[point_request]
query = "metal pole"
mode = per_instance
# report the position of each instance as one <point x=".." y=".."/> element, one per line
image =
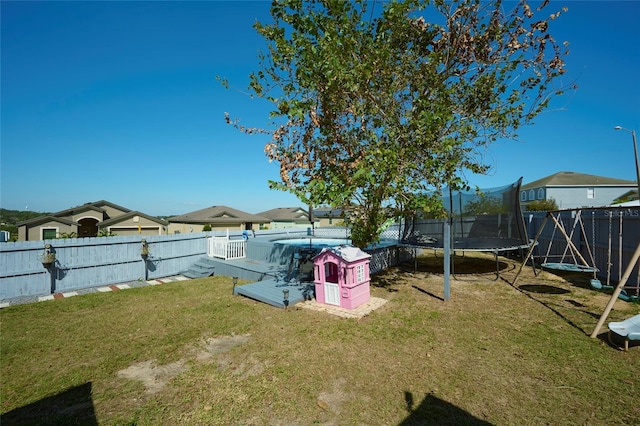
<point x="447" y="260"/>
<point x="635" y="152"/>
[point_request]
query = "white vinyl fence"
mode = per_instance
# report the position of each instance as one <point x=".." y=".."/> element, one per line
<point x="226" y="248"/>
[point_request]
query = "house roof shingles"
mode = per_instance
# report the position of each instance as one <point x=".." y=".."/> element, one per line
<point x="128" y="216"/>
<point x="286" y="214"/>
<point x="576" y="179"/>
<point x="46" y="218"/>
<point x="218" y="214"/>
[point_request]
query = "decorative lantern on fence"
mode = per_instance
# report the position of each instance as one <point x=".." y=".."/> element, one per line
<point x="48" y="257"/>
<point x="144" y="252"/>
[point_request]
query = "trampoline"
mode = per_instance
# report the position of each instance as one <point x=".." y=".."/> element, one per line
<point x="486" y="220"/>
<point x="488" y="244"/>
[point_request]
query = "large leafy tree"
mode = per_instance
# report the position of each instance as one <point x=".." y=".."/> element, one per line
<point x="377" y="104"/>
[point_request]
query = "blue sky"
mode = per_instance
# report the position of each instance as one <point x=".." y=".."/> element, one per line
<point x="118" y="101"/>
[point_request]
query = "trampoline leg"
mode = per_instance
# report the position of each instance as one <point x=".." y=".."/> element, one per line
<point x="447" y="262"/>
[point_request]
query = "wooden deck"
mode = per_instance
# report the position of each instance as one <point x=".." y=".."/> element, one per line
<point x="273" y="279"/>
<point x="271" y="291"/>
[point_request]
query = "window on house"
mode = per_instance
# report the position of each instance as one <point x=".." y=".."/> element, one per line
<point x="591" y="193"/>
<point x="359" y="273"/>
<point x="49" y="233"/>
<point x="523" y="196"/>
<point x="532" y="194"/>
<point x="540" y="194"/>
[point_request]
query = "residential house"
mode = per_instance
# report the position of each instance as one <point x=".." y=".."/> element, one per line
<point x="288" y="217"/>
<point x="87" y="220"/>
<point x="573" y="190"/>
<point x="329" y="217"/>
<point x="629" y="198"/>
<point x="219" y="218"/>
<point x="134" y="223"/>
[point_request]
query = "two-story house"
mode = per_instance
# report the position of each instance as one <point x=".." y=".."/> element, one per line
<point x="573" y="190"/>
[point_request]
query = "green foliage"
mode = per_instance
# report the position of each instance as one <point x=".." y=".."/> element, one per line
<point x="10" y="218"/>
<point x="542" y="205"/>
<point x="206" y="227"/>
<point x="485" y="205"/>
<point x="629" y="196"/>
<point x="13" y="217"/>
<point x="12" y="229"/>
<point x="375" y="108"/>
<point x="106" y="233"/>
<point x="64" y="235"/>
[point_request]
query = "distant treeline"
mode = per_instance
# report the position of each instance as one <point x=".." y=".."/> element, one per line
<point x="10" y="218"/>
<point x="13" y="217"/>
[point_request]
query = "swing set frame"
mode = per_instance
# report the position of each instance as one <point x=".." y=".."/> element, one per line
<point x="579" y="264"/>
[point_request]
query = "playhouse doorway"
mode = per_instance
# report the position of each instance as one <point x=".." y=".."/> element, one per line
<point x="331" y="287"/>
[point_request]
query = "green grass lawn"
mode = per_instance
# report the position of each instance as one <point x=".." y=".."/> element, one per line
<point x="190" y="352"/>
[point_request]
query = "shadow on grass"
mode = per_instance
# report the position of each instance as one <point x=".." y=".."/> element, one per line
<point x="461" y="264"/>
<point x="463" y="267"/>
<point x="435" y="411"/>
<point x="577" y="279"/>
<point x="428" y="293"/>
<point x="74" y="406"/>
<point x="384" y="281"/>
<point x="529" y="289"/>
<point x="543" y="289"/>
<point x="617" y="342"/>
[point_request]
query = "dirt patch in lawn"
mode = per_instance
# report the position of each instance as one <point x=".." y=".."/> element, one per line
<point x="154" y="377"/>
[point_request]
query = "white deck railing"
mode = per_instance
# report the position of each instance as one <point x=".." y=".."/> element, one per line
<point x="226" y="248"/>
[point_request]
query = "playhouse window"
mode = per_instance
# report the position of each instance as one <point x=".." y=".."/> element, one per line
<point x="359" y="273"/>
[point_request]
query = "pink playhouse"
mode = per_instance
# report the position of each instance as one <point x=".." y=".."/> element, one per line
<point x="341" y="276"/>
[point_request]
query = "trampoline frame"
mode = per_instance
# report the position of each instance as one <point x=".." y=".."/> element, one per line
<point x="495" y="251"/>
<point x="492" y="243"/>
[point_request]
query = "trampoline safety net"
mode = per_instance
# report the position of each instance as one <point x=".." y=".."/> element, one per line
<point x="486" y="220"/>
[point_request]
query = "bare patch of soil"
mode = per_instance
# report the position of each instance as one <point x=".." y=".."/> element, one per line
<point x="218" y="345"/>
<point x="154" y="377"/>
<point x="332" y="401"/>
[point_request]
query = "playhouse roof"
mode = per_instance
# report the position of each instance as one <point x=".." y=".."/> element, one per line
<point x="348" y="253"/>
